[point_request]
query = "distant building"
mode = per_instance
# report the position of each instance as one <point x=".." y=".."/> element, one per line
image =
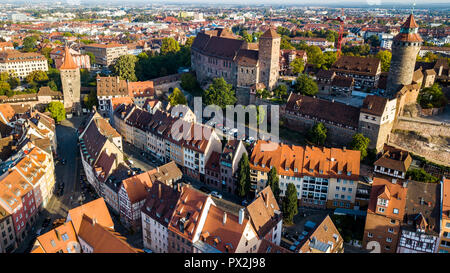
<point x="22" y="63"/>
<point x="106" y="54"/>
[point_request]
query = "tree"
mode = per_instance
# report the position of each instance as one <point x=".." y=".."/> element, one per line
<point x="263" y="93"/>
<point x="432" y="97"/>
<point x="243" y="186"/>
<point x="29" y="43"/>
<point x="318" y="134"/>
<point x="329" y="59"/>
<point x="280" y="91"/>
<point x="4" y="88"/>
<point x="189" y="83"/>
<point x="374" y="41"/>
<point x="290" y="207"/>
<point x="125" y="67"/>
<point x="315" y="56"/>
<point x="91" y="57"/>
<point x="285" y="43"/>
<point x="219" y="93"/>
<point x="360" y="143"/>
<point x="177" y="97"/>
<point x="274" y="182"/>
<point x="91" y="99"/>
<point x="57" y="111"/>
<point x="306" y="86"/>
<point x="297" y="66"/>
<point x="13" y="82"/>
<point x="37" y="76"/>
<point x="385" y="57"/>
<point x="421" y="175"/>
<point x="169" y="45"/>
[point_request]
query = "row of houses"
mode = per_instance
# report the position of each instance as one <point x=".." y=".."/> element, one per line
<point x="27" y="170"/>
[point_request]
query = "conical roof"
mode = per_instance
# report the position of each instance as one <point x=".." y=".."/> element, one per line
<point x="410" y="22"/>
<point x="68" y="63"/>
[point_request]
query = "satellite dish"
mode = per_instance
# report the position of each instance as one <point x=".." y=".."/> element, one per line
<point x="374" y="246"/>
<point x="75" y="246"/>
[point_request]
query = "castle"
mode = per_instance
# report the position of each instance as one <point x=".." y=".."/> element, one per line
<point x="376" y="118"/>
<point x="218" y="53"/>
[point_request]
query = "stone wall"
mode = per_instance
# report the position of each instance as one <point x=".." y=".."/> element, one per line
<point x="402" y="65"/>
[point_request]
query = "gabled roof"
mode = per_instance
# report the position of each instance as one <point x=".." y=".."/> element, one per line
<point x="410" y="22"/>
<point x="103" y="239"/>
<point x="160" y="203"/>
<point x="374" y="105"/>
<point x="61" y="238"/>
<point x="95" y="210"/>
<point x="323" y="238"/>
<point x="264" y="212"/>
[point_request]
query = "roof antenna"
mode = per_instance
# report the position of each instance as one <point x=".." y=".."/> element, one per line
<point x="413" y="6"/>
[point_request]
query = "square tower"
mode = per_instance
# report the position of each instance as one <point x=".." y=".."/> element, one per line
<point x="71" y="81"/>
<point x="269" y="58"/>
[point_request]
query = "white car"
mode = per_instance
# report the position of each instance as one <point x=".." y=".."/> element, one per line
<point x="216" y="194"/>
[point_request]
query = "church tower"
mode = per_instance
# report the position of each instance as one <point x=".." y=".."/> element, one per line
<point x="405" y="47"/>
<point x="269" y="58"/>
<point x="71" y="81"/>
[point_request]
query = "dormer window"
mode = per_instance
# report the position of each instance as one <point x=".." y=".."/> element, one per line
<point x="349" y="173"/>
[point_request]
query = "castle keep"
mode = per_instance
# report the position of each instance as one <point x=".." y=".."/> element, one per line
<point x="218" y="53"/>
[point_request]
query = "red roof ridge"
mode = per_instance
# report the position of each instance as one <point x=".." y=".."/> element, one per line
<point x="68" y="63"/>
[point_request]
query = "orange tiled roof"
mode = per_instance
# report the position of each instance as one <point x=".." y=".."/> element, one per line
<point x="95" y="210"/>
<point x="382" y="187"/>
<point x="446" y="199"/>
<point x="224" y="237"/>
<point x="12" y="188"/>
<point x="7" y="111"/>
<point x="102" y="239"/>
<point x="58" y="239"/>
<point x="137" y="186"/>
<point x="192" y="203"/>
<point x="263" y="212"/>
<point x="68" y="63"/>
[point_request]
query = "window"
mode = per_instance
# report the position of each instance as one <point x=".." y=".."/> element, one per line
<point x="370" y="235"/>
<point x="395" y="211"/>
<point x="380" y="209"/>
<point x="392" y="221"/>
<point x="390" y="230"/>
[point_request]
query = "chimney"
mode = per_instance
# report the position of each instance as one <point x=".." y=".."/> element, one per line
<point x="242" y="212"/>
<point x="224" y="218"/>
<point x="266" y="200"/>
<point x="94" y="221"/>
<point x="344" y="148"/>
<point x="159" y="191"/>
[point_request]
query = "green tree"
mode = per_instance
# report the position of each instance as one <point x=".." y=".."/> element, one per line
<point x="169" y="45"/>
<point x="374" y="41"/>
<point x="177" y="97"/>
<point x="29" y="44"/>
<point x="360" y="143"/>
<point x="37" y="76"/>
<point x="385" y="57"/>
<point x="13" y="82"/>
<point x="263" y="93"/>
<point x="57" y="111"/>
<point x="274" y="182"/>
<point x="91" y="99"/>
<point x="125" y="67"/>
<point x="286" y="43"/>
<point x="219" y="93"/>
<point x="189" y="83"/>
<point x="329" y="59"/>
<point x="318" y="134"/>
<point x="432" y="97"/>
<point x="4" y="88"/>
<point x="297" y="66"/>
<point x="290" y="207"/>
<point x="315" y="56"/>
<point x="421" y="175"/>
<point x="91" y="57"/>
<point x="280" y="91"/>
<point x="243" y="186"/>
<point x="306" y="86"/>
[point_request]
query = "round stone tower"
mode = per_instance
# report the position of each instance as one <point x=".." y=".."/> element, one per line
<point x="405" y="47"/>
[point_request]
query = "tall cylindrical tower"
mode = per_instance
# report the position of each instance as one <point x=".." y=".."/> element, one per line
<point x="405" y="47"/>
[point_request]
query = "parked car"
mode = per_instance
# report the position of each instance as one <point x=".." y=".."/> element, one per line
<point x="244" y="203"/>
<point x="216" y="194"/>
<point x="146" y="250"/>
